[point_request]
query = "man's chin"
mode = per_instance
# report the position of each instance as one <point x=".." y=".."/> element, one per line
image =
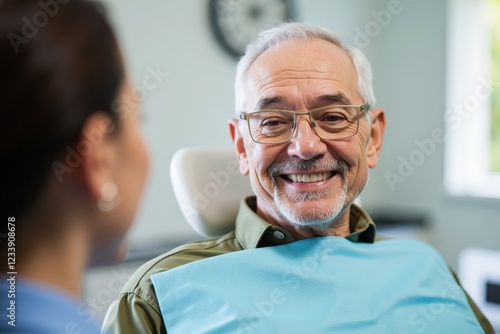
<point x="311" y="208"/>
<point x="316" y="198"/>
<point x="308" y="214"/>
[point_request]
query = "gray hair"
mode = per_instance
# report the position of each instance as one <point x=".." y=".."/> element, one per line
<point x="292" y="31"/>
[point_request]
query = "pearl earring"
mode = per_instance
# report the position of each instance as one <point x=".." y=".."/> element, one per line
<point x="108" y="202"/>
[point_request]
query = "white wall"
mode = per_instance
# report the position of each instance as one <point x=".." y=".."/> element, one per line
<point x="408" y="56"/>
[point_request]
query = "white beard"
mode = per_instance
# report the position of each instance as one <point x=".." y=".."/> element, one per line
<point x="324" y="219"/>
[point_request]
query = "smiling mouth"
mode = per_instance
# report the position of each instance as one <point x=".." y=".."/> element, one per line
<point x="308" y="178"/>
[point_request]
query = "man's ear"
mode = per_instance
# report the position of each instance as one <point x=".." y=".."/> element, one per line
<point x="374" y="146"/>
<point x="100" y="153"/>
<point x="239" y="145"/>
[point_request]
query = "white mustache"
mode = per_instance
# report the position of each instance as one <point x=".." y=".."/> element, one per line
<point x="297" y="165"/>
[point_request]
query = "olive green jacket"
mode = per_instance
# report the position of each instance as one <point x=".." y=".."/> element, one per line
<point x="137" y="309"/>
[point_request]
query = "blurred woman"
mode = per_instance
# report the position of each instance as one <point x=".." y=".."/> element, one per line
<point x="73" y="161"/>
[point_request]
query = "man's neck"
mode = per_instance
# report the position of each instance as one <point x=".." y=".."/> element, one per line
<point x="340" y="227"/>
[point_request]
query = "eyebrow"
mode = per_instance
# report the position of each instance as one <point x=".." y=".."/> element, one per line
<point x="265" y="102"/>
<point x="338" y="98"/>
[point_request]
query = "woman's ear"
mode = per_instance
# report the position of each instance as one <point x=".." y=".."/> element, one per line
<point x="239" y="145"/>
<point x="374" y="146"/>
<point x="98" y="153"/>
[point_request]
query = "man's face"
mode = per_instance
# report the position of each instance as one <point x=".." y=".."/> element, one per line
<point x="307" y="181"/>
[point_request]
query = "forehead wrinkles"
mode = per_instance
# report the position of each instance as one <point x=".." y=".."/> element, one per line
<point x="265" y="79"/>
<point x="297" y="83"/>
<point x="301" y="69"/>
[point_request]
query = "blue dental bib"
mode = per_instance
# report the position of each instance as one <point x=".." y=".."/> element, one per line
<point x="318" y="285"/>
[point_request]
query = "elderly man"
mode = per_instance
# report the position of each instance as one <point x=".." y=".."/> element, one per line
<point x="306" y="134"/>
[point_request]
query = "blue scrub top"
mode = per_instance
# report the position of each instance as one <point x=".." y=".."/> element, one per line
<point x="37" y="308"/>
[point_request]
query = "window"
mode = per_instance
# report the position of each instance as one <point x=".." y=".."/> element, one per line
<point x="494" y="24"/>
<point x="472" y="116"/>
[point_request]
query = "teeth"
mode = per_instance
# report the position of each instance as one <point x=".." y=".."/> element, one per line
<point x="309" y="178"/>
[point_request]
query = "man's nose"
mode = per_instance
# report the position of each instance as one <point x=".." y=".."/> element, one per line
<point x="305" y="143"/>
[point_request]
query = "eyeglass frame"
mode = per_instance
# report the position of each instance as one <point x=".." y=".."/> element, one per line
<point x="361" y="108"/>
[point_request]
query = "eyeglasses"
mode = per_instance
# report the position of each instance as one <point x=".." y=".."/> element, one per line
<point x="330" y="123"/>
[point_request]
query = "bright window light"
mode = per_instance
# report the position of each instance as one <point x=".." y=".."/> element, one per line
<point x="494" y="23"/>
<point x="472" y="162"/>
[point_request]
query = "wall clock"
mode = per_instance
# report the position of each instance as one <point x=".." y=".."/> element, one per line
<point x="236" y="23"/>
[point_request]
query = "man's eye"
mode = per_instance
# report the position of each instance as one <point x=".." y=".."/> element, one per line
<point x="333" y="118"/>
<point x="273" y="122"/>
